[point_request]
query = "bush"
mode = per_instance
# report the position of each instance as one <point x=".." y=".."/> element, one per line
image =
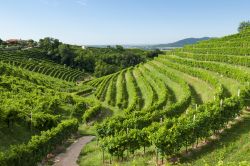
<point x="79" y="110"/>
<point x="243" y="25"/>
<point x="91" y="113"/>
<point x="40" y="145"/>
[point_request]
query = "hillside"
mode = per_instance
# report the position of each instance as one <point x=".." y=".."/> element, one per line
<point x="183" y="42"/>
<point x="180" y="43"/>
<point x="35" y="60"/>
<point x="39" y="110"/>
<point x="42" y="94"/>
<point x="168" y="105"/>
<point x="125" y="83"/>
<point x="160" y="109"/>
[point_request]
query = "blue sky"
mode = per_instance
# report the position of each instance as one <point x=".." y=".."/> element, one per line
<point x="120" y="21"/>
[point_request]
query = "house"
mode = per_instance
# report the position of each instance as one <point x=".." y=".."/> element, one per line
<point x="12" y="41"/>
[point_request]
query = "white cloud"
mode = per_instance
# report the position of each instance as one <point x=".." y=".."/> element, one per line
<point x="81" y="2"/>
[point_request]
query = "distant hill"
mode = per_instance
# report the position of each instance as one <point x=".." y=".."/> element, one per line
<point x="182" y="42"/>
<point x="168" y="46"/>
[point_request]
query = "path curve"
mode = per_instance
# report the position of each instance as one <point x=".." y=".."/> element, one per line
<point x="69" y="158"/>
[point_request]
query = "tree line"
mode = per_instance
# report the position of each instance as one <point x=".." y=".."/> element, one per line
<point x="98" y="61"/>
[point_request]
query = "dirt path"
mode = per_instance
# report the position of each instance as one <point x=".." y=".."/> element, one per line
<point x="70" y="157"/>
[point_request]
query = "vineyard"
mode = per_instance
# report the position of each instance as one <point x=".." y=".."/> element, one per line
<point x="175" y="101"/>
<point x="38" y="112"/>
<point x="162" y="108"/>
<point x="34" y="60"/>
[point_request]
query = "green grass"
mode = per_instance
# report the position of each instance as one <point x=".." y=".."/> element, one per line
<point x="175" y="89"/>
<point x="203" y="90"/>
<point x="114" y="110"/>
<point x="229" y="83"/>
<point x="91" y="155"/>
<point x="85" y="129"/>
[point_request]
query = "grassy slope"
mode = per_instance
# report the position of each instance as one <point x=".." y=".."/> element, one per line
<point x="175" y="88"/>
<point x="230" y="84"/>
<point x="233" y="145"/>
<point x="202" y="89"/>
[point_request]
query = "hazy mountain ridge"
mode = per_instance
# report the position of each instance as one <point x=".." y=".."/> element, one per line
<point x="179" y="43"/>
<point x="183" y="42"/>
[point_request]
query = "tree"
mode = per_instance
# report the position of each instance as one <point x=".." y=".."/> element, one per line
<point x="102" y="68"/>
<point x="49" y="44"/>
<point x="31" y="43"/>
<point x="85" y="60"/>
<point x="119" y="48"/>
<point x="243" y="25"/>
<point x="154" y="53"/>
<point x="67" y="56"/>
<point x="1" y="41"/>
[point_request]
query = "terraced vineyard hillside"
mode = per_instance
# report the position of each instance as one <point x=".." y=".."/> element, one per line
<point x="159" y="109"/>
<point x="176" y="100"/>
<point x="34" y="60"/>
<point x="37" y="113"/>
<point x="43" y="102"/>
